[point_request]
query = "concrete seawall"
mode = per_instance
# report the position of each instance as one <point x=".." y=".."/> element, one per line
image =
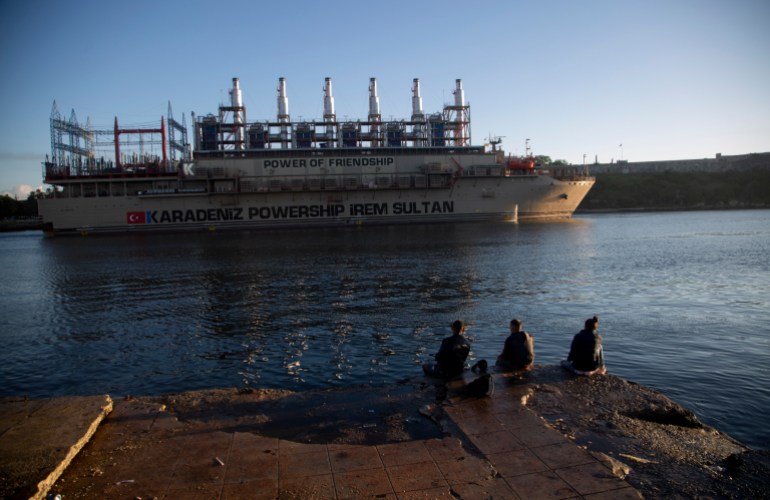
<point x="720" y="163"/>
<point x="726" y="182"/>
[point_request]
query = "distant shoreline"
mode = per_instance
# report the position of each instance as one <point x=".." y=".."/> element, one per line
<point x="661" y="209"/>
<point x="676" y="191"/>
<point x="23" y="225"/>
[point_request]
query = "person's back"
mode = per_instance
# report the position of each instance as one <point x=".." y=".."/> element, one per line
<point x="518" y="350"/>
<point x="451" y="356"/>
<point x="586" y="353"/>
<point x="453" y="353"/>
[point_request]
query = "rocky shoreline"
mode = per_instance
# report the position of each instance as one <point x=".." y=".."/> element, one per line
<point x="669" y="452"/>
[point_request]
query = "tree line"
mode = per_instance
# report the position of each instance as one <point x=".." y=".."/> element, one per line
<point x="11" y="208"/>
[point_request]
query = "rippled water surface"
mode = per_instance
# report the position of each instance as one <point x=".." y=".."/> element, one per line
<point x="684" y="301"/>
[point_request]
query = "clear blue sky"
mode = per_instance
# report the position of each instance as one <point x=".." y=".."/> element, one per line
<point x="666" y="78"/>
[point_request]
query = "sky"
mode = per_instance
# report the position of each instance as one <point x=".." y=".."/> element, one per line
<point x="633" y="79"/>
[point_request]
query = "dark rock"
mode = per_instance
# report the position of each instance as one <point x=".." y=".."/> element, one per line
<point x="672" y="415"/>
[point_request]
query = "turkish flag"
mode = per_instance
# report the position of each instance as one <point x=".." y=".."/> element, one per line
<point x="135" y="218"/>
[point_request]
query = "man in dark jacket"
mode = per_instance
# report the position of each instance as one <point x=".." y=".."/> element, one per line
<point x="451" y="356"/>
<point x="586" y="356"/>
<point x="518" y="350"/>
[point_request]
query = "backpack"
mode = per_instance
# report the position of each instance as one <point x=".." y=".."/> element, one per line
<point x="483" y="386"/>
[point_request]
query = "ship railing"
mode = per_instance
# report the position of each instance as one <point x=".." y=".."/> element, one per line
<point x="573" y="174"/>
<point x="431" y="178"/>
<point x="101" y="169"/>
<point x="168" y="191"/>
<point x="482" y="171"/>
<point x="521" y="172"/>
<point x="344" y="182"/>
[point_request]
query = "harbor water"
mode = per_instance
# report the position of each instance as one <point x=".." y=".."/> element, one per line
<point x="683" y="298"/>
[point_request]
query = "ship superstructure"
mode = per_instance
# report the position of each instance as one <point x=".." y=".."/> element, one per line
<point x="285" y="173"/>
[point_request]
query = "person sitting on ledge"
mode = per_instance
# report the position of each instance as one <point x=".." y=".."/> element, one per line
<point x="586" y="356"/>
<point x="518" y="351"/>
<point x="450" y="359"/>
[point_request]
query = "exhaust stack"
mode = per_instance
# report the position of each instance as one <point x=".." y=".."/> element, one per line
<point x="461" y="117"/>
<point x="329" y="115"/>
<point x="236" y="101"/>
<point x="374" y="102"/>
<point x="417" y="113"/>
<point x="283" y="101"/>
<point x="459" y="93"/>
<point x="283" y="112"/>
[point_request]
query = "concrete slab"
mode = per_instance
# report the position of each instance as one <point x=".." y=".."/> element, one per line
<point x="249" y="444"/>
<point x="492" y="447"/>
<point x="39" y="439"/>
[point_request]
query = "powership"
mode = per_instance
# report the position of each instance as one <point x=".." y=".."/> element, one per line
<point x="281" y="173"/>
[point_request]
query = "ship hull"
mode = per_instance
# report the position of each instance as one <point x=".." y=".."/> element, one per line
<point x="515" y="198"/>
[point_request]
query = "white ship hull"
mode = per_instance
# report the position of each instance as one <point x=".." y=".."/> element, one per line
<point x="472" y="199"/>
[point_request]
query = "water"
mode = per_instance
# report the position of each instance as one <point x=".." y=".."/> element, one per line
<point x="683" y="299"/>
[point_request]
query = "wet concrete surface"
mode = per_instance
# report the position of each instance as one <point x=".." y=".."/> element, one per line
<point x="355" y="415"/>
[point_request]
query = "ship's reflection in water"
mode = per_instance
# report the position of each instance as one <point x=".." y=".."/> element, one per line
<point x="143" y="314"/>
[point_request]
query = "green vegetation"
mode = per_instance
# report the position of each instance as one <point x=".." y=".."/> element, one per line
<point x="545" y="161"/>
<point x="11" y="208"/>
<point x="18" y="215"/>
<point x="680" y="190"/>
